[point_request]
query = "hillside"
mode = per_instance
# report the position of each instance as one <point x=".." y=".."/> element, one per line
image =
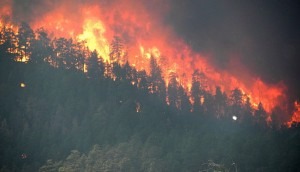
<point x="64" y="108"/>
<point x="60" y="111"/>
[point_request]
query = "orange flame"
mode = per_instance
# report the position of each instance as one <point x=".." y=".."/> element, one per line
<point x="145" y="34"/>
<point x="296" y="114"/>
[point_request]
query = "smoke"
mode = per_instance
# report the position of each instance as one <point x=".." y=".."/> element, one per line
<point x="32" y="10"/>
<point x="264" y="35"/>
<point x="251" y="41"/>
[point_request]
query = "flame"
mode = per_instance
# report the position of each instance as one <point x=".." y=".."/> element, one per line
<point x="296" y="114"/>
<point x="93" y="34"/>
<point x="7" y="26"/>
<point x="145" y="34"/>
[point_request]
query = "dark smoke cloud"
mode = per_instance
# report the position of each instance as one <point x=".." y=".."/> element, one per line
<point x="265" y="35"/>
<point x="27" y="10"/>
<point x="30" y="10"/>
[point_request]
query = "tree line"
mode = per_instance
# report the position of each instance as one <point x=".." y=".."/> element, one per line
<point x="36" y="47"/>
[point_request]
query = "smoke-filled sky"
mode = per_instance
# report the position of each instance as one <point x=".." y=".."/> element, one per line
<point x="264" y="36"/>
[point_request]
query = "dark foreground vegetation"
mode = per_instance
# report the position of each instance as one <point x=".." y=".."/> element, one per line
<point x="56" y="117"/>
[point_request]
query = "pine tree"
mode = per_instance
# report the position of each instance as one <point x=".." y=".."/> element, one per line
<point x="220" y="102"/>
<point x="157" y="83"/>
<point x="236" y="102"/>
<point x="260" y="115"/>
<point x="196" y="92"/>
<point x="116" y="50"/>
<point x="95" y="66"/>
<point x="41" y="49"/>
<point x="8" y="43"/>
<point x="183" y="100"/>
<point x="173" y="90"/>
<point x="25" y="38"/>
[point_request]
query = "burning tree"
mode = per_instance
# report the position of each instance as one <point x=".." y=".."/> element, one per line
<point x="157" y="83"/>
<point x="25" y="39"/>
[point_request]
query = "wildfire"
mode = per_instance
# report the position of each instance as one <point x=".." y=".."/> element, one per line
<point x="146" y="35"/>
<point x="93" y="34"/>
<point x="296" y="115"/>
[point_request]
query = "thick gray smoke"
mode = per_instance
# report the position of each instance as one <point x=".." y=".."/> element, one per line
<point x="264" y="35"/>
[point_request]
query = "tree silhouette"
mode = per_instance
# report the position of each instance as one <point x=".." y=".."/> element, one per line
<point x="95" y="66"/>
<point x="116" y="50"/>
<point x="173" y="90"/>
<point x="208" y="104"/>
<point x="142" y="79"/>
<point x="25" y="38"/>
<point x="79" y="52"/>
<point x="247" y="116"/>
<point x="236" y="102"/>
<point x="41" y="48"/>
<point x="196" y="92"/>
<point x="63" y="49"/>
<point x="260" y="115"/>
<point x="118" y="73"/>
<point x="220" y="103"/>
<point x="157" y="83"/>
<point x="129" y="73"/>
<point x="8" y="42"/>
<point x="183" y="100"/>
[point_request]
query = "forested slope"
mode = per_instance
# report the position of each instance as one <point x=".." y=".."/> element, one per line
<point x="63" y="108"/>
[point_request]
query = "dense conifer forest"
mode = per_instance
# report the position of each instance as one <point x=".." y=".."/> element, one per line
<point x="67" y="109"/>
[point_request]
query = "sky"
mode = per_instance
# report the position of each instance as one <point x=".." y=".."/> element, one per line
<point x="262" y="35"/>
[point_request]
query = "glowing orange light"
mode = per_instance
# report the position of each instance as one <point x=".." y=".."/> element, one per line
<point x="296" y="114"/>
<point x="93" y="34"/>
<point x="146" y="35"/>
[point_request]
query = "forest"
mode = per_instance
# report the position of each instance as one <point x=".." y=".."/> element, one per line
<point x="64" y="108"/>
